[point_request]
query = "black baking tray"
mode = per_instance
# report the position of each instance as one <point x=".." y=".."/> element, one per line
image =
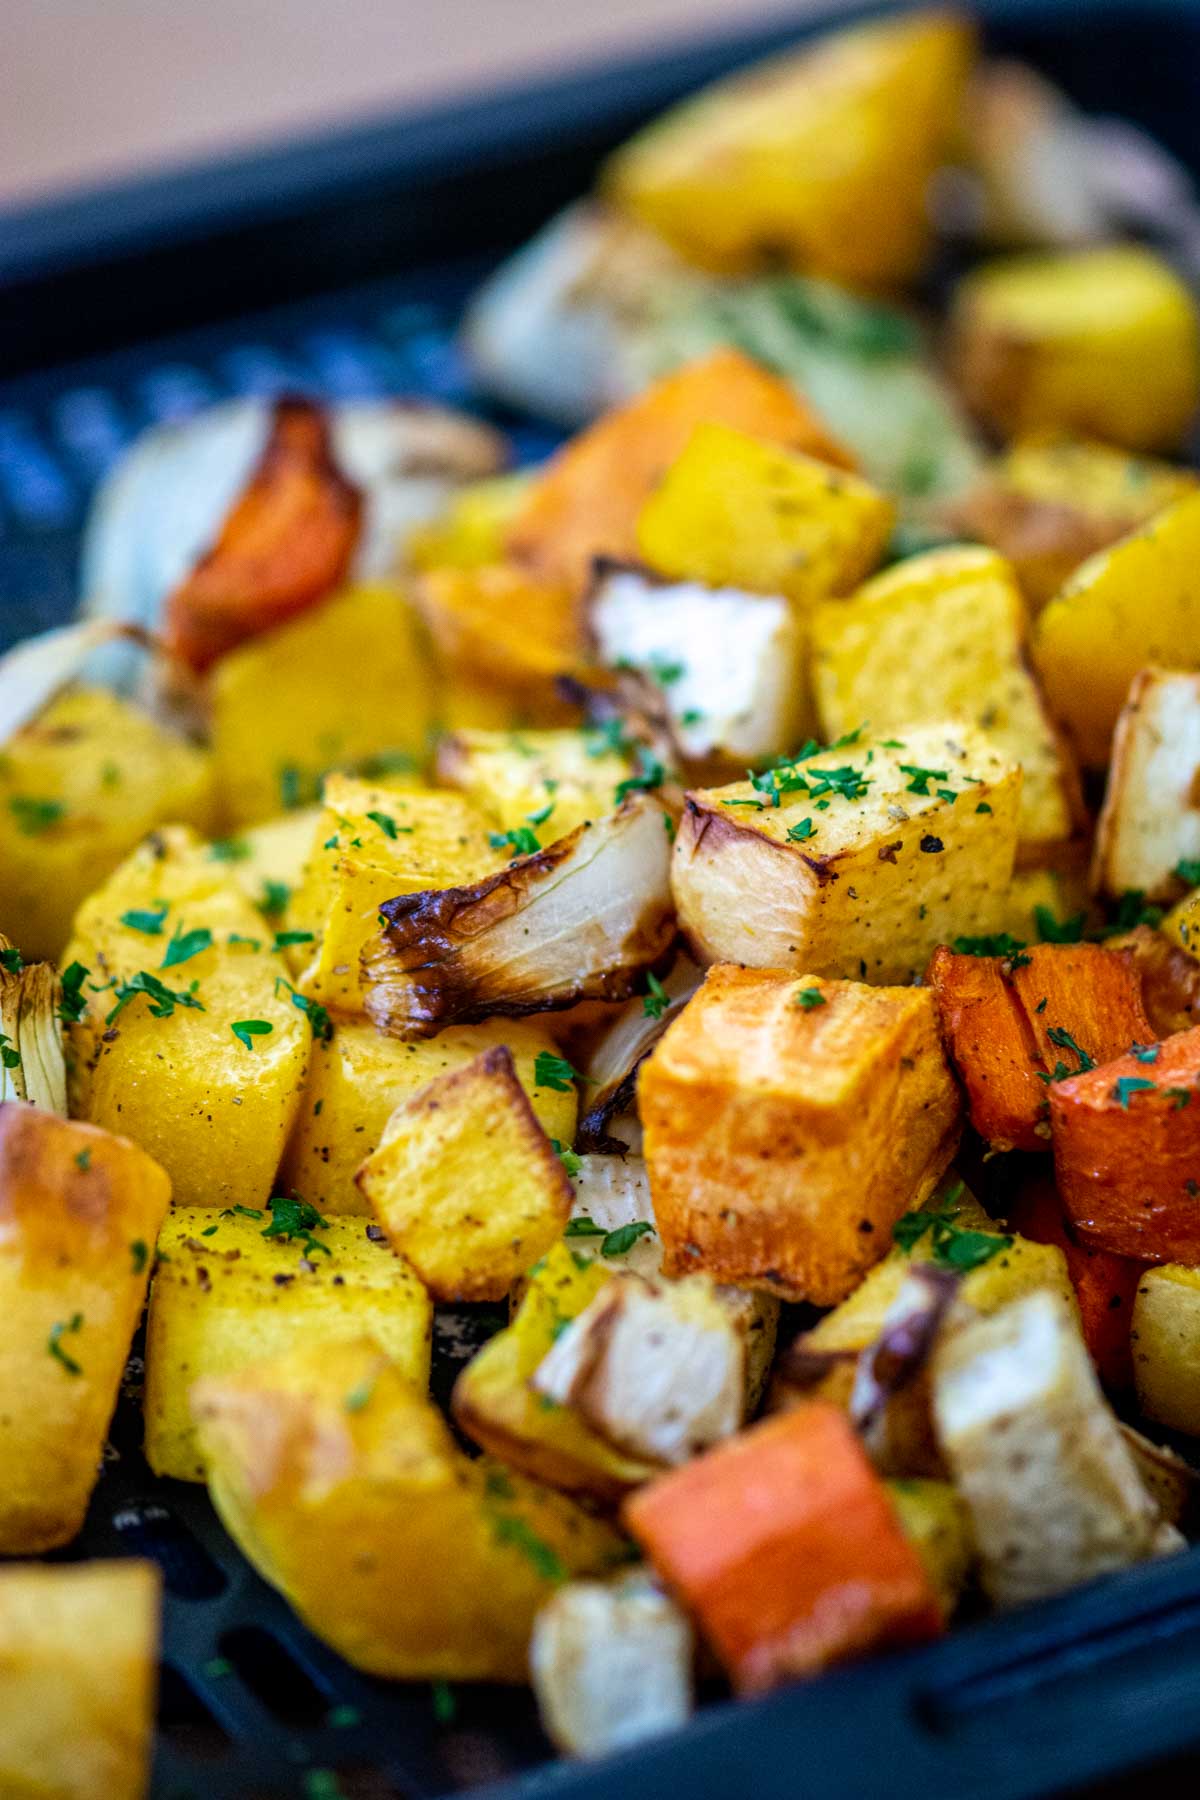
<point x="340" y="266"/>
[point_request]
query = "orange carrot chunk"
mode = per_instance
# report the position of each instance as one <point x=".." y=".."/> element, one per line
<point x="784" y="1545"/>
<point x="1126" y="1140"/>
<point x="286" y="542"/>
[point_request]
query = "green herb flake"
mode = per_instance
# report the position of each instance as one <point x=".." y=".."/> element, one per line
<point x="293" y="1218"/>
<point x="983" y="807"/>
<point x="72" y="1004"/>
<point x="807" y="998"/>
<point x="1127" y="1086"/>
<point x="284" y="938"/>
<point x="801" y="832"/>
<point x="656" y="1001"/>
<point x="569" y="1160"/>
<point x="9" y="1058"/>
<point x="996" y="943"/>
<point x="83" y="1160"/>
<point x="274" y="898"/>
<point x="33" y="817"/>
<point x="522" y="841"/>
<point x="554" y="1072"/>
<point x="150" y="923"/>
<point x="163" y="1000"/>
<point x="11" y="960"/>
<point x="1064" y="1041"/>
<point x="583" y="1227"/>
<point x="952" y="1246"/>
<point x="229" y="850"/>
<point x="246" y="1030"/>
<point x="650" y="774"/>
<point x="510" y="1528"/>
<point x="360" y="1394"/>
<point x="919" y="778"/>
<point x="140" y="1255"/>
<point x="1188" y="870"/>
<point x="54" y="1343"/>
<point x="541" y="815"/>
<point x="1144" y="1053"/>
<point x="617" y="1242"/>
<point x="186" y="944"/>
<point x="1058" y="931"/>
<point x="385" y="823"/>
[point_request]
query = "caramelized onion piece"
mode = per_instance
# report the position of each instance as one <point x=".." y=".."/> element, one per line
<point x="611" y="1070"/>
<point x="32" y="1063"/>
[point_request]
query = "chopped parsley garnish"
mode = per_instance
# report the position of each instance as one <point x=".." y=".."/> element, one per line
<point x="11" y="960"/>
<point x="83" y="1161"/>
<point x="921" y="778"/>
<point x="606" y="738"/>
<point x="54" y="1343"/>
<point x="72" y="1005"/>
<point x="807" y="998"/>
<point x="1065" y="1041"/>
<point x="1129" y="1085"/>
<point x="952" y="1246"/>
<point x="522" y="841"/>
<point x="320" y="1024"/>
<point x="33" y="817"/>
<point x="360" y="1394"/>
<point x="186" y="944"/>
<point x="996" y="943"/>
<point x="142" y="919"/>
<point x="583" y="1227"/>
<point x="554" y="1072"/>
<point x="163" y="1000"/>
<point x="983" y="807"/>
<point x="541" y="815"/>
<point x="9" y="1058"/>
<point x="801" y="831"/>
<point x="666" y="673"/>
<point x="284" y="938"/>
<point x="657" y="1000"/>
<point x="1144" y="1053"/>
<point x="1180" y="1095"/>
<point x="617" y="1242"/>
<point x="275" y="896"/>
<point x="1188" y="870"/>
<point x="246" y="1030"/>
<point x="140" y="1255"/>
<point x="236" y="937"/>
<point x="293" y="1218"/>
<point x="570" y="1161"/>
<point x="385" y="823"/>
<point x="650" y="774"/>
<point x="1058" y="931"/>
<point x="670" y="827"/>
<point x="1132" y="911"/>
<point x="510" y="1528"/>
<point x="229" y="850"/>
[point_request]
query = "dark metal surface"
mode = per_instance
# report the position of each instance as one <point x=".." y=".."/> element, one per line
<point x="341" y="266"/>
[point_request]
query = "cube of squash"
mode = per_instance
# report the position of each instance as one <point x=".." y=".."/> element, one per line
<point x="789" y="1122"/>
<point x="466" y="1183"/>
<point x="943" y="636"/>
<point x="413" y="1561"/>
<point x="821" y="157"/>
<point x="540" y="782"/>
<point x="227" y="1294"/>
<point x="369" y="845"/>
<point x="190" y="1043"/>
<point x="1150" y="820"/>
<point x="731" y="665"/>
<point x="736" y="511"/>
<point x="1126" y="1140"/>
<point x="1125" y="608"/>
<point x="586" y="501"/>
<point x="81" y="1210"/>
<point x="80" y="785"/>
<point x="856" y="862"/>
<point x="1166" y="1346"/>
<point x="79" y="1650"/>
<point x="347" y="682"/>
<point x="1052" y="501"/>
<point x="503" y="627"/>
<point x="1035" y="347"/>
<point x="1053" y="1490"/>
<point x="357" y="1077"/>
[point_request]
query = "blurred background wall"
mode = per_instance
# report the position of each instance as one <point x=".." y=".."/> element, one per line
<point x="90" y="88"/>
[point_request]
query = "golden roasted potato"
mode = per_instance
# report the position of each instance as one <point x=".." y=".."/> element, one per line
<point x="861" y="859"/>
<point x="471" y="529"/>
<point x="944" y="636"/>
<point x="1165" y="1334"/>
<point x="268" y="863"/>
<point x="348" y="684"/>
<point x="370" y="845"/>
<point x="466" y="1183"/>
<point x="540" y="782"/>
<point x="343" y="1485"/>
<point x="1129" y="607"/>
<point x="735" y="511"/>
<point x="357" y="1078"/>
<point x="821" y="157"/>
<point x="79" y="786"/>
<point x="81" y="1210"/>
<point x="767" y="1109"/>
<point x="244" y="1285"/>
<point x="188" y="1041"/>
<point x="1150" y="821"/>
<point x="78" y="1677"/>
<point x="1101" y="340"/>
<point x="1063" y="892"/>
<point x="935" y="1518"/>
<point x="502" y="637"/>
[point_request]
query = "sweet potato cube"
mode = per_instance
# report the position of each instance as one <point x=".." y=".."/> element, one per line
<point x="465" y="1181"/>
<point x="1166" y="1346"/>
<point x="1012" y="1025"/>
<point x="858" y="861"/>
<point x="79" y="1213"/>
<point x="79" y="1650"/>
<point x="587" y="501"/>
<point x="789" y="1122"/>
<point x="784" y="1546"/>
<point x="1150" y="821"/>
<point x="226" y="1295"/>
<point x="1126" y="1140"/>
<point x="943" y="636"/>
<point x="505" y="627"/>
<point x="735" y="511"/>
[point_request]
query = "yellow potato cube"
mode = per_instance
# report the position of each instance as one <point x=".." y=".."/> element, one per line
<point x="79" y="1651"/>
<point x="465" y="1181"/>
<point x="1165" y="1334"/>
<point x="546" y="781"/>
<point x="268" y="861"/>
<point x="472" y="529"/>
<point x="934" y="1517"/>
<point x="943" y="636"/>
<point x="81" y="1211"/>
<point x="226" y="1295"/>
<point x="1128" y="607"/>
<point x="735" y="511"/>
<point x="1102" y="340"/>
<point x="177" y="958"/>
<point x="348" y="683"/>
<point x="369" y="845"/>
<point x="357" y="1077"/>
<point x="1182" y="923"/>
<point x="344" y="1486"/>
<point x="79" y="787"/>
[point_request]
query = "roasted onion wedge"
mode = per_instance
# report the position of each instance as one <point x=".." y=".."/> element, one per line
<point x="611" y="1071"/>
<point x="579" y="920"/>
<point x="32" y="1061"/>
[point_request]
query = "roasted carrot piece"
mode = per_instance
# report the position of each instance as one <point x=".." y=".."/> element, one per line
<point x="587" y="502"/>
<point x="784" y="1545"/>
<point x="286" y="542"/>
<point x="1014" y="1025"/>
<point x="1126" y="1140"/>
<point x="1105" y="1285"/>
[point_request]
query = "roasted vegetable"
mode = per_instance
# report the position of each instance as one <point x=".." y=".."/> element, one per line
<point x="32" y="1062"/>
<point x="81" y="1210"/>
<point x="1150" y="822"/>
<point x="862" y="859"/>
<point x="344" y="1486"/>
<point x="542" y="783"/>
<point x="1100" y="340"/>
<point x="503" y="636"/>
<point x="610" y="1073"/>
<point x="1166" y="1346"/>
<point x="1170" y="977"/>
<point x="784" y="1545"/>
<point x="765" y="1078"/>
<point x="242" y="1286"/>
<point x="935" y="1520"/>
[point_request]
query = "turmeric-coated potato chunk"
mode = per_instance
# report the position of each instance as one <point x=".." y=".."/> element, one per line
<point x="79" y="1655"/>
<point x="736" y="511"/>
<point x="856" y="861"/>
<point x="1102" y="340"/>
<point x="249" y="1283"/>
<point x="343" y="1484"/>
<point x="1148" y="836"/>
<point x="943" y="636"/>
<point x="536" y="785"/>
<point x="789" y="1122"/>
<point x="466" y="1183"/>
<point x="188" y="1040"/>
<point x="79" y="1213"/>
